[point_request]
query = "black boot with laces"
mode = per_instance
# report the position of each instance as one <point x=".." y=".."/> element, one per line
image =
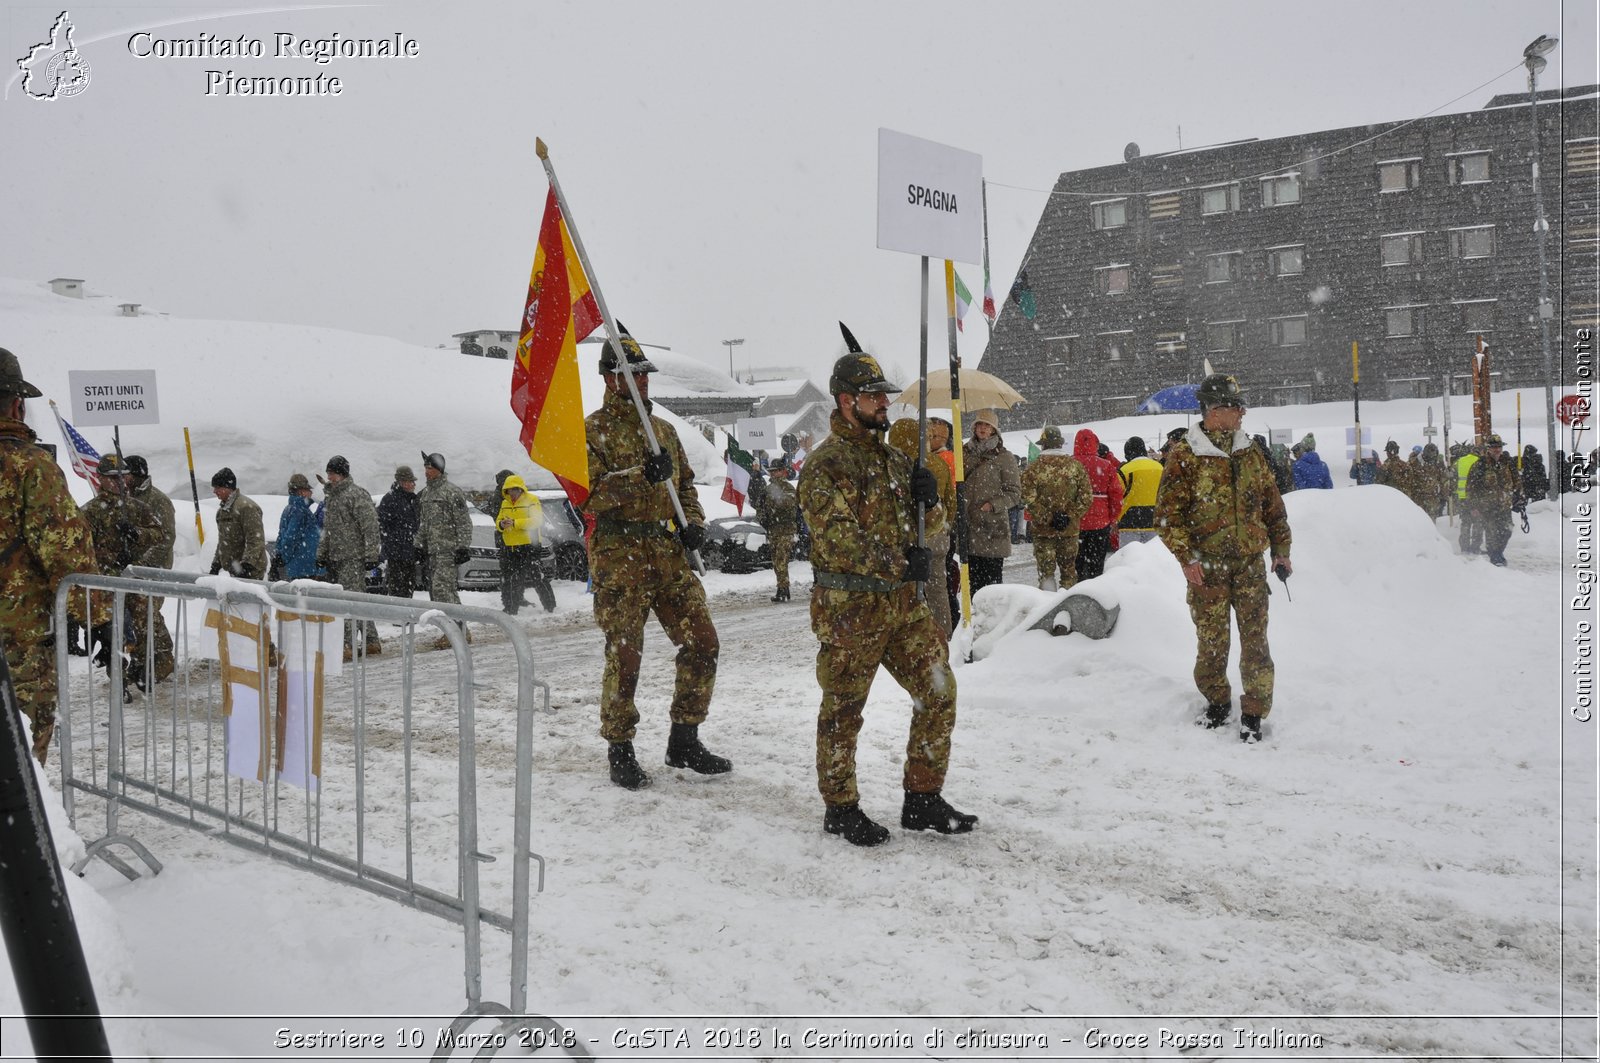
<point x="625" y="770"/>
<point x="933" y="812"/>
<point x="684" y="750"/>
<point x="1216" y="715"/>
<point x="1249" y="728"/>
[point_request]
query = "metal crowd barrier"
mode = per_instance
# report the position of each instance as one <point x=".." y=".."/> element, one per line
<point x="165" y="754"/>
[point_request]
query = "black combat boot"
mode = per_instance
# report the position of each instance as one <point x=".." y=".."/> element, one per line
<point x="625" y="770"/>
<point x="1249" y="728"/>
<point x="782" y="595"/>
<point x="854" y="825"/>
<point x="135" y="676"/>
<point x="1216" y="715"/>
<point x="925" y="811"/>
<point x="685" y="751"/>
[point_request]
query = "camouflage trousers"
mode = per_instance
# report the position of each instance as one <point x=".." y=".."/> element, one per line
<point x="657" y="578"/>
<point x="938" y="593"/>
<point x="1496" y="525"/>
<point x="858" y="631"/>
<point x="782" y="549"/>
<point x="1471" y="540"/>
<point x="33" y="677"/>
<point x="351" y="574"/>
<point x="1055" y="557"/>
<point x="1240" y="585"/>
<point x="442" y="580"/>
<point x="155" y="636"/>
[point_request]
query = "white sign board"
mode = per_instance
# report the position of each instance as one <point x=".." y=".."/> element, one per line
<point x="930" y="198"/>
<point x="1281" y="435"/>
<point x="113" y="396"/>
<point x="759" y="433"/>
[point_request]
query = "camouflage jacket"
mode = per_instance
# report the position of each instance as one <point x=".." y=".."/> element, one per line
<point x="349" y="526"/>
<point x="444" y="523"/>
<point x="126" y="532"/>
<point x="241" y="539"/>
<point x="1494" y="486"/>
<point x="1056" y="482"/>
<point x="779" y="510"/>
<point x="1216" y="504"/>
<point x="618" y="490"/>
<point x="161" y="506"/>
<point x="1395" y="473"/>
<point x="45" y="539"/>
<point x="855" y="494"/>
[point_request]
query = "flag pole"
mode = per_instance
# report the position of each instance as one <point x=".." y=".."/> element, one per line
<point x="955" y="431"/>
<point x="988" y="322"/>
<point x="194" y="489"/>
<point x="922" y="421"/>
<point x="612" y="335"/>
<point x="1355" y="389"/>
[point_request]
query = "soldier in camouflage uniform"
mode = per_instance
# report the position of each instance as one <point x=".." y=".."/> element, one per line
<point x="241" y="538"/>
<point x="1437" y="480"/>
<point x="1494" y="491"/>
<point x="444" y="529"/>
<point x="1057" y="492"/>
<point x="350" y="545"/>
<point x="161" y="506"/>
<point x="43" y="539"/>
<point x="1395" y="472"/>
<point x="639" y="565"/>
<point x="860" y="496"/>
<point x="1217" y="511"/>
<point x="126" y="532"/>
<point x="779" y="513"/>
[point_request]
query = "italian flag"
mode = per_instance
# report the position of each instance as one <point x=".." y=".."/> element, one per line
<point x="740" y="465"/>
<point x="963" y="302"/>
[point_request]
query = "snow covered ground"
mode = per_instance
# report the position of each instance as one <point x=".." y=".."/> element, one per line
<point x="1405" y="868"/>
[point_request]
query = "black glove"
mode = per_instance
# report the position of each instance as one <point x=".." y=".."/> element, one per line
<point x="100" y="641"/>
<point x="76" y="646"/>
<point x="919" y="563"/>
<point x="125" y="554"/>
<point x="924" y="488"/>
<point x="1061" y="522"/>
<point x="462" y="555"/>
<point x="216" y="566"/>
<point x="692" y="536"/>
<point x="658" y="467"/>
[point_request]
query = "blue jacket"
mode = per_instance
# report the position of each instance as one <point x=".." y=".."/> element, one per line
<point x="1312" y="471"/>
<point x="298" y="535"/>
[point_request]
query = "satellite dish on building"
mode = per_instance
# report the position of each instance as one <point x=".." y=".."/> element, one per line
<point x="1130" y="152"/>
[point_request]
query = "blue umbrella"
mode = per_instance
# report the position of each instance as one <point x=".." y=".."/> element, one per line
<point x="1179" y="398"/>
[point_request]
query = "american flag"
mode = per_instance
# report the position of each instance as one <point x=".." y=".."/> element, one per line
<point x="85" y="459"/>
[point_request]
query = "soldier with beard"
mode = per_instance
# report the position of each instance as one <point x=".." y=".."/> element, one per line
<point x="860" y="496"/>
<point x="640" y="564"/>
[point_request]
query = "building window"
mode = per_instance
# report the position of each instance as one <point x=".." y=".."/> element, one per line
<point x="1118" y="405"/>
<point x="1293" y="395"/>
<point x="1109" y="214"/>
<point x="1170" y="343"/>
<point x="1402" y="321"/>
<point x="1222" y="336"/>
<point x="1411" y="387"/>
<point x="1477" y="316"/>
<point x="1287" y="331"/>
<point x="1286" y="261"/>
<point x="1280" y="191"/>
<point x="1476" y="242"/>
<point x="1469" y="169"/>
<point x="1114" y="345"/>
<point x="1220" y="199"/>
<point x="1401" y="249"/>
<point x="1111" y="280"/>
<point x="1223" y="268"/>
<point x="1059" y="352"/>
<point x="1163" y="206"/>
<point x="1399" y="175"/>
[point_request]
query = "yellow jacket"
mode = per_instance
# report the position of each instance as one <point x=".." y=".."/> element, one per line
<point x="519" y="522"/>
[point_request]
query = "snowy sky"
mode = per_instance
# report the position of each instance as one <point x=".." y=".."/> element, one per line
<point x="720" y="158"/>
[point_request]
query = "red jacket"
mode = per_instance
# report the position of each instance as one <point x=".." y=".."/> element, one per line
<point x="1103" y="477"/>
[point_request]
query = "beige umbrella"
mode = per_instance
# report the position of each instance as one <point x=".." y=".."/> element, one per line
<point x="979" y="390"/>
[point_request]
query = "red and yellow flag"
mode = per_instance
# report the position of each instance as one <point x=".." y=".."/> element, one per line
<point x="545" y="393"/>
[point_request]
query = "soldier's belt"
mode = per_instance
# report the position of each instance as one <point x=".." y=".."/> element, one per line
<point x="612" y="526"/>
<point x="847" y="581"/>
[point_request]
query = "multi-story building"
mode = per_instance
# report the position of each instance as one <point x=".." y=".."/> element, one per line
<point x="1270" y="258"/>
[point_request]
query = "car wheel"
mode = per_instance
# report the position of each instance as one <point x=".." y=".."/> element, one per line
<point x="572" y="562"/>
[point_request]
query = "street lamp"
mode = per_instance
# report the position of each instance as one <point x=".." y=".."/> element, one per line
<point x="1533" y="58"/>
<point x="731" y="344"/>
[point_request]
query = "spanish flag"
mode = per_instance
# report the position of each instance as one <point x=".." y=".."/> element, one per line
<point x="545" y="394"/>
